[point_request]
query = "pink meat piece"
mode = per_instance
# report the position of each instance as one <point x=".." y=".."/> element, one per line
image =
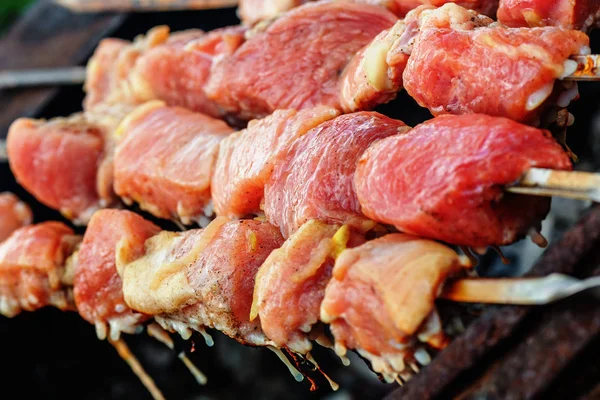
<point x="313" y="179"/>
<point x="33" y="268"/>
<point x="296" y="61"/>
<point x="464" y="63"/>
<point x="568" y="14"/>
<point x="66" y="163"/>
<point x="165" y="160"/>
<point x="246" y="158"/>
<point x="97" y="286"/>
<point x="177" y="70"/>
<point x="444" y="179"/>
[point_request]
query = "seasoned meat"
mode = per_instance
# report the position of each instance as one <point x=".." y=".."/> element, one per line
<point x="374" y="75"/>
<point x="313" y="179"/>
<point x="290" y="285"/>
<point x="177" y="70"/>
<point x="165" y="160"/>
<point x="568" y="14"/>
<point x="201" y="278"/>
<point x="66" y="163"/>
<point x="246" y="158"/>
<point x="13" y="214"/>
<point x="464" y="63"/>
<point x="445" y="178"/>
<point x="34" y="268"/>
<point x="380" y="300"/>
<point x="296" y="61"/>
<point x="111" y="64"/>
<point x="97" y="286"/>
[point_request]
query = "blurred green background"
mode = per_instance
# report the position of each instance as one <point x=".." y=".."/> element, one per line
<point x="10" y="10"/>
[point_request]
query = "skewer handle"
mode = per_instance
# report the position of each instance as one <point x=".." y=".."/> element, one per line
<point x="144" y="5"/>
<point x="548" y="182"/>
<point x="522" y="291"/>
<point x="42" y="77"/>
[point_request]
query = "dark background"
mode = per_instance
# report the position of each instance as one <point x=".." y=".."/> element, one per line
<point x="50" y="354"/>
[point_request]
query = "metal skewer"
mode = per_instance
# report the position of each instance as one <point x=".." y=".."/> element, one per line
<point x="522" y="291"/>
<point x="42" y="77"/>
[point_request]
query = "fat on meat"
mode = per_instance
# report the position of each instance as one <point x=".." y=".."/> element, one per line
<point x="290" y="285"/>
<point x="381" y="299"/>
<point x="165" y="159"/>
<point x="110" y="65"/>
<point x="314" y="177"/>
<point x="374" y="74"/>
<point x="444" y="179"/>
<point x="464" y="63"/>
<point x="254" y="11"/>
<point x="97" y="288"/>
<point x="246" y="158"/>
<point x="201" y="278"/>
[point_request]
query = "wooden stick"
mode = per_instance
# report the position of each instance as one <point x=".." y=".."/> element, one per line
<point x="523" y="291"/>
<point x="569" y="184"/>
<point x="42" y="77"/>
<point x="587" y="69"/>
<point x="144" y="5"/>
<point x="159" y="334"/>
<point x="137" y="368"/>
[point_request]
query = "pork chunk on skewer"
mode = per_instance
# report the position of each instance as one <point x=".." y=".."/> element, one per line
<point x="464" y="63"/>
<point x="290" y="284"/>
<point x="13" y="214"/>
<point x="313" y="179"/>
<point x="380" y="300"/>
<point x="247" y="158"/>
<point x="165" y="160"/>
<point x="201" y="278"/>
<point x="569" y="14"/>
<point x="158" y="66"/>
<point x="296" y="61"/>
<point x="445" y="179"/>
<point x="36" y="268"/>
<point x="254" y="11"/>
<point x="66" y="163"/>
<point x="97" y="286"/>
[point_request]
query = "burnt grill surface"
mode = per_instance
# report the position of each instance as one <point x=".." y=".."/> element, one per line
<point x="506" y="352"/>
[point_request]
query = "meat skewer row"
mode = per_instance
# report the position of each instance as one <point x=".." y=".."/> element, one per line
<point x="242" y="278"/>
<point x="144" y="5"/>
<point x="569" y="14"/>
<point x="299" y="165"/>
<point x="202" y="71"/>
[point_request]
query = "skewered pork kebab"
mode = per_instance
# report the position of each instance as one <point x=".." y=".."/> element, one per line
<point x="569" y="14"/>
<point x="300" y="165"/>
<point x="241" y="278"/>
<point x="204" y="74"/>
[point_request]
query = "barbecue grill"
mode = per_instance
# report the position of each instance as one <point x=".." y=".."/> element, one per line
<point x="497" y="352"/>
